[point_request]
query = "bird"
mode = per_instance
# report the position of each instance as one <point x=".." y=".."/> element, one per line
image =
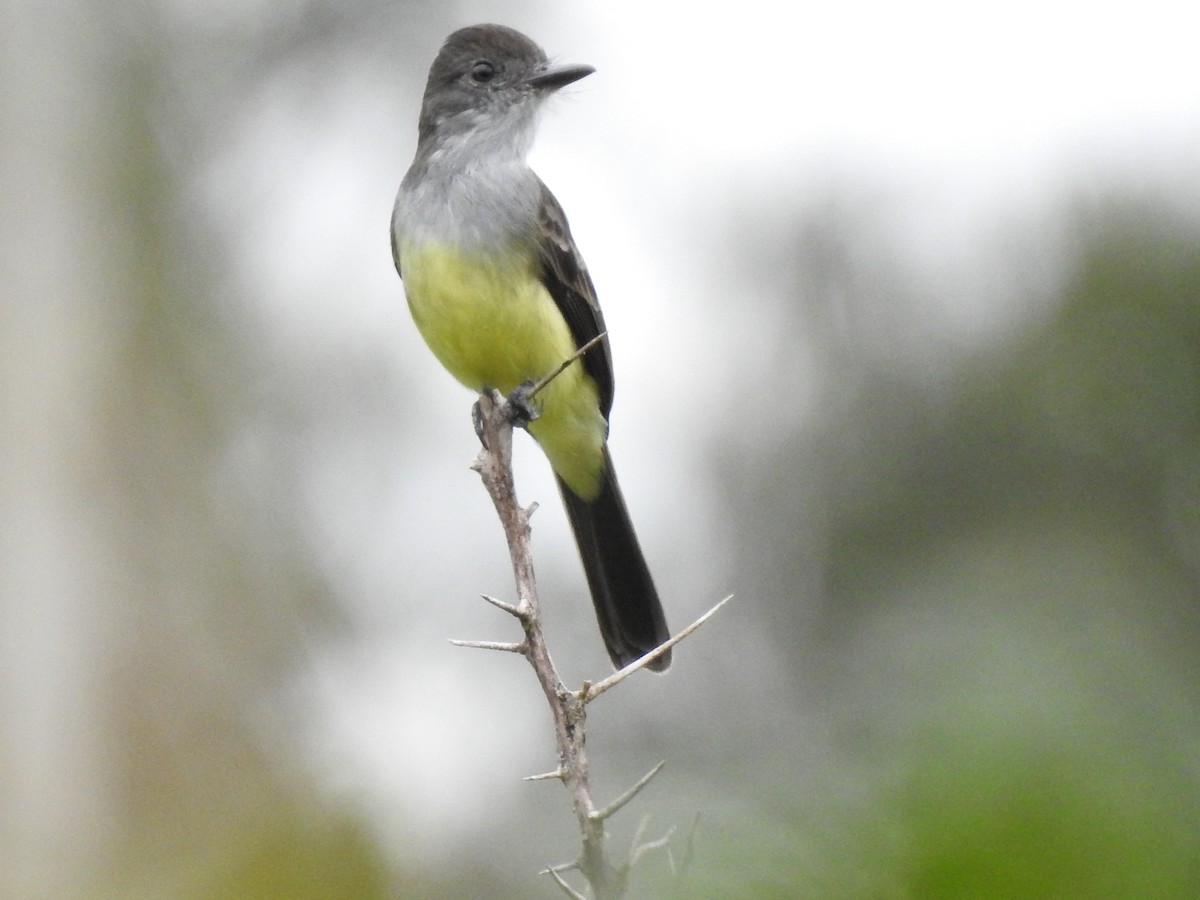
<point x="500" y="293"/>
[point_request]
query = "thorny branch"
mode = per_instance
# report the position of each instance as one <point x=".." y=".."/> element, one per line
<point x="494" y="465"/>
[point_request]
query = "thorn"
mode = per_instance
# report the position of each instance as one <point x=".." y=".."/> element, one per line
<point x="553" y="871"/>
<point x="556" y="775"/>
<point x="511" y="609"/>
<point x="492" y="645"/>
<point x="600" y="815"/>
<point x="590" y="692"/>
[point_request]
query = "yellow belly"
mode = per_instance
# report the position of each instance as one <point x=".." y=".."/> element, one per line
<point x="493" y="324"/>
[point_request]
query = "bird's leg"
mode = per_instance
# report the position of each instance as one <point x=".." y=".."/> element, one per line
<point x="477" y="422"/>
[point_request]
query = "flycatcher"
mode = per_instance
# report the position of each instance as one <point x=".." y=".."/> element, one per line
<point x="501" y="295"/>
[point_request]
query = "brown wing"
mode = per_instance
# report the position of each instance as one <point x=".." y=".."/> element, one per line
<point x="566" y="278"/>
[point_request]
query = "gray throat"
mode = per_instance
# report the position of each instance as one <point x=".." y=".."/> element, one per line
<point x="471" y="187"/>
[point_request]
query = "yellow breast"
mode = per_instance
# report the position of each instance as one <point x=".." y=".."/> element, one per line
<point x="490" y="321"/>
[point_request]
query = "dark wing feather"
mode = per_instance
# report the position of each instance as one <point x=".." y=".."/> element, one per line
<point x="566" y="278"/>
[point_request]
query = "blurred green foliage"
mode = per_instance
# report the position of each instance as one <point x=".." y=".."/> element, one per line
<point x="1008" y="619"/>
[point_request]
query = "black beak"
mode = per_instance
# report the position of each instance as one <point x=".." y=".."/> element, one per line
<point x="554" y="77"/>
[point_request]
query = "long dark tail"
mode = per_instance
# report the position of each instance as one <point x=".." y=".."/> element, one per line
<point x="627" y="606"/>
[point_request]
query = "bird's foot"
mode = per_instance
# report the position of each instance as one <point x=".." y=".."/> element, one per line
<point x="521" y="408"/>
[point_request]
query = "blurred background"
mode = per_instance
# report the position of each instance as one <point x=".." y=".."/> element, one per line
<point x="905" y="312"/>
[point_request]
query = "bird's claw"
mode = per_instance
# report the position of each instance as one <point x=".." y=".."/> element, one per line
<point x="521" y="408"/>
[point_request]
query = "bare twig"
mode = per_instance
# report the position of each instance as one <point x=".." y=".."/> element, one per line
<point x="494" y="465"/>
<point x="590" y="692"/>
<point x="562" y="367"/>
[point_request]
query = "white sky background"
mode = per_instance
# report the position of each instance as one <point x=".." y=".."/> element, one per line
<point x="965" y="112"/>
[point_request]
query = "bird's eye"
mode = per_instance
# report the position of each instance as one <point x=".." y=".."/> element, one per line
<point x="482" y="72"/>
